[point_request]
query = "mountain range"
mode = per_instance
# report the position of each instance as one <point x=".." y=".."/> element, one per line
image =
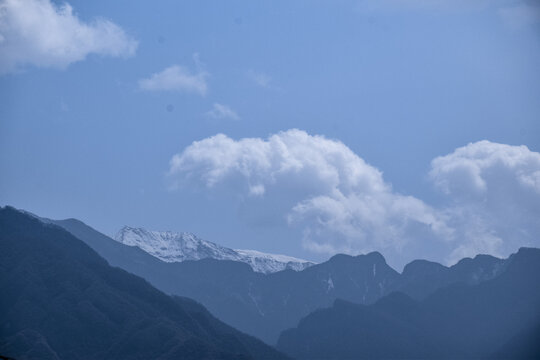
<point x="177" y="247"/>
<point x="61" y="300"/>
<point x="497" y="318"/>
<point x="264" y="305"/>
<point x="347" y="307"/>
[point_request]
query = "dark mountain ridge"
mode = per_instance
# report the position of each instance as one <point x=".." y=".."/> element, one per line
<point x="61" y="300"/>
<point x="499" y="317"/>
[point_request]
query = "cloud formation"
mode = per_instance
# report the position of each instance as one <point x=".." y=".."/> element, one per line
<point x="469" y="169"/>
<point x="220" y="111"/>
<point x="343" y="204"/>
<point x="39" y="33"/>
<point x="176" y="78"/>
<point x="494" y="196"/>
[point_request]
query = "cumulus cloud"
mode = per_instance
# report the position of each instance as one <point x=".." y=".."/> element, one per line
<point x="469" y="169"/>
<point x="494" y="194"/>
<point x="176" y="78"/>
<point x="343" y="204"/>
<point x="39" y="33"/>
<point x="220" y="111"/>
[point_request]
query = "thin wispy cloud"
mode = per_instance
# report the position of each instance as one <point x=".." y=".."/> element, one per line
<point x="177" y="78"/>
<point x="378" y="6"/>
<point x="259" y="78"/>
<point x="220" y="111"/>
<point x="40" y="33"/>
<point x="520" y="16"/>
<point x="515" y="14"/>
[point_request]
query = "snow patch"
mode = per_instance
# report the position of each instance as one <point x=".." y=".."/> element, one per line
<point x="181" y="246"/>
<point x="330" y="283"/>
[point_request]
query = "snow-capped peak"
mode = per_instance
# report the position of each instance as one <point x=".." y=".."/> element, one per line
<point x="180" y="246"/>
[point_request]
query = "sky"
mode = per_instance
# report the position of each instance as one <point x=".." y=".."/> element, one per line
<point x="307" y="128"/>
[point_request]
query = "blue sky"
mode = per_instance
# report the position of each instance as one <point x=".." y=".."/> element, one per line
<point x="91" y="118"/>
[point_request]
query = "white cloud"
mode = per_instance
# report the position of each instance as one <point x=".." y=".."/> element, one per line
<point x="176" y="78"/>
<point x="220" y="111"/>
<point x="494" y="194"/>
<point x="36" y="32"/>
<point x="470" y="168"/>
<point x="342" y="203"/>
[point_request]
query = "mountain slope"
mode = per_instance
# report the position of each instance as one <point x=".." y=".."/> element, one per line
<point x="261" y="305"/>
<point x="264" y="305"/>
<point x="458" y="321"/>
<point x="177" y="247"/>
<point x="60" y="300"/>
<point x="421" y="278"/>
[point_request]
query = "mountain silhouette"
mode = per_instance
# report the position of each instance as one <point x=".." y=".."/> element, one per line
<point x="495" y="318"/>
<point x="61" y="300"/>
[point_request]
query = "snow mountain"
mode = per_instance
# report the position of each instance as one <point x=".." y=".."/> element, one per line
<point x="180" y="246"/>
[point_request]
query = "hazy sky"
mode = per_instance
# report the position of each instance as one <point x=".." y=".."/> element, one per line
<point x="319" y="126"/>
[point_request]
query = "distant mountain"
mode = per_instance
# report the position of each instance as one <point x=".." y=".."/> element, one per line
<point x="177" y="247"/>
<point x="496" y="318"/>
<point x="61" y="300"/>
<point x="264" y="305"/>
<point x="421" y="278"/>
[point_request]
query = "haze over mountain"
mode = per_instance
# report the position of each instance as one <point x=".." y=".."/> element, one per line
<point x="61" y="300"/>
<point x="177" y="247"/>
<point x="359" y="179"/>
<point x="498" y="318"/>
<point x="264" y="305"/>
<point x="416" y="313"/>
